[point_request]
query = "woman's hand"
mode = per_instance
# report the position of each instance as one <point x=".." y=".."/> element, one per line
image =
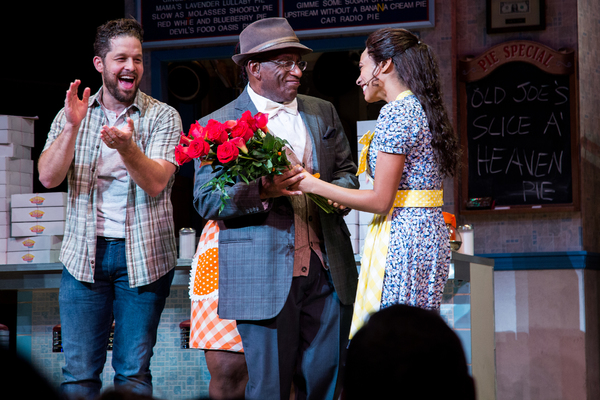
<point x="308" y="183"/>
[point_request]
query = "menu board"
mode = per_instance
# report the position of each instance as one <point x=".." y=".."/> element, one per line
<point x="348" y="15"/>
<point x="182" y="19"/>
<point x="170" y="23"/>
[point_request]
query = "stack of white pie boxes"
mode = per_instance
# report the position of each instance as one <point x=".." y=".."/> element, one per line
<point x="358" y="221"/>
<point x="31" y="225"/>
<point x="37" y="227"/>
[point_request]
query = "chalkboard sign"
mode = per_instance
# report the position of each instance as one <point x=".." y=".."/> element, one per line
<point x="170" y="23"/>
<point x="518" y="129"/>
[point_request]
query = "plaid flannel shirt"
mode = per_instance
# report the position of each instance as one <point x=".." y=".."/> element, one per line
<point x="149" y="230"/>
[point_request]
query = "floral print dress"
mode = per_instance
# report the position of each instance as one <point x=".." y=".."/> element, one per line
<point x="418" y="255"/>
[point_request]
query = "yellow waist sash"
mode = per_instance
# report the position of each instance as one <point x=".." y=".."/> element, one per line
<point x="372" y="268"/>
<point x="419" y="198"/>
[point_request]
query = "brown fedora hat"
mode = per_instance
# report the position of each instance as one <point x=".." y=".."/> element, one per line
<point x="267" y="35"/>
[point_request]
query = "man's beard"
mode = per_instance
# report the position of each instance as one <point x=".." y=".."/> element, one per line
<point x="112" y="85"/>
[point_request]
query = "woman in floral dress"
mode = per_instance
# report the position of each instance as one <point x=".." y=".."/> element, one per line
<point x="407" y="253"/>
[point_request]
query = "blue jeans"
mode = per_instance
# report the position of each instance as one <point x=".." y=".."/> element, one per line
<point x="86" y="315"/>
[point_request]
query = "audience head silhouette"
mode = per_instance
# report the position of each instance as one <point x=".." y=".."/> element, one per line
<point x="409" y="352"/>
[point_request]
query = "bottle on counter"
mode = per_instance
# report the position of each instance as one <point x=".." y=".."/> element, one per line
<point x="467" y="234"/>
<point x="187" y="243"/>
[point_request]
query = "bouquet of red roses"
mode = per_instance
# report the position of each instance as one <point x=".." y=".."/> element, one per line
<point x="244" y="148"/>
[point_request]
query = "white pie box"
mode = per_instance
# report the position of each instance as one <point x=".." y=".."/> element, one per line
<point x="15" y="178"/>
<point x="16" y="165"/>
<point x="50" y="199"/>
<point x="30" y="243"/>
<point x="29" y="214"/>
<point x="34" y="256"/>
<point x="37" y="228"/>
<point x="13" y="136"/>
<point x="21" y="124"/>
<point x="15" y="150"/>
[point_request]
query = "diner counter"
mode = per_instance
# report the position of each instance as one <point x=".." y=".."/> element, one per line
<point x="47" y="276"/>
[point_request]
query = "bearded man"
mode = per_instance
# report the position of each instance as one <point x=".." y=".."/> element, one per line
<point x="117" y="149"/>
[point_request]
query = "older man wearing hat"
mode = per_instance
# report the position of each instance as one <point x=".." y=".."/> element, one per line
<point x="287" y="273"/>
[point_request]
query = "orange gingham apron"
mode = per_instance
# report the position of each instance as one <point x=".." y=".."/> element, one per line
<point x="207" y="330"/>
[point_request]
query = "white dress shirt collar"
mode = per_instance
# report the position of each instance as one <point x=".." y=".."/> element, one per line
<point x="286" y="125"/>
<point x="271" y="107"/>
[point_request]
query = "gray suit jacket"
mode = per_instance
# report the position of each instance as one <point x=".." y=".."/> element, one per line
<point x="256" y="246"/>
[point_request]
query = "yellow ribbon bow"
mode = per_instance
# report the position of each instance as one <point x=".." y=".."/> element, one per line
<point x="368" y="137"/>
<point x="365" y="140"/>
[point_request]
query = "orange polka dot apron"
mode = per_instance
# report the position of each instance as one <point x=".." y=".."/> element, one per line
<point x="207" y="330"/>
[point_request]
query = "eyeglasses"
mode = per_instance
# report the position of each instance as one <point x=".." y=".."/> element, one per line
<point x="289" y="65"/>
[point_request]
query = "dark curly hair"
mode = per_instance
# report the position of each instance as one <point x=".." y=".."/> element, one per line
<point x="115" y="28"/>
<point x="416" y="65"/>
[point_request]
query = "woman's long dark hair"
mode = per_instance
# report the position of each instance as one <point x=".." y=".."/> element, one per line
<point x="416" y="65"/>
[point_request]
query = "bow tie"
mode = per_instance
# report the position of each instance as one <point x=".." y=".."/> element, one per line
<point x="272" y="108"/>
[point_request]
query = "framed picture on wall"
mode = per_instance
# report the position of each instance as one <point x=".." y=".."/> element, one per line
<point x="515" y="15"/>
